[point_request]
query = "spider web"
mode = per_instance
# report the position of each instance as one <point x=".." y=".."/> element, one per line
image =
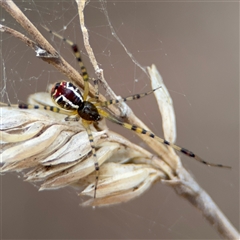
<point x="195" y="48"/>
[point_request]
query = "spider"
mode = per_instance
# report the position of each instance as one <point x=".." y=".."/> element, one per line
<point x="68" y="97"/>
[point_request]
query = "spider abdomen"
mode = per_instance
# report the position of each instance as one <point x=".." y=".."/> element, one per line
<point x="66" y="95"/>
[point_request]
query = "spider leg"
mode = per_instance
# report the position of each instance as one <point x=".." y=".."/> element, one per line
<point x="79" y="60"/>
<point x="47" y="108"/>
<point x="152" y="135"/>
<point x="130" y="98"/>
<point x="91" y="140"/>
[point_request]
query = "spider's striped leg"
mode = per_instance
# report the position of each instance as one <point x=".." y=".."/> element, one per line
<point x="47" y="108"/>
<point x="79" y="60"/>
<point x="152" y="135"/>
<point x="96" y="165"/>
<point x="130" y="98"/>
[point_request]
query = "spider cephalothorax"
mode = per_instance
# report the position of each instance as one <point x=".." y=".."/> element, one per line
<point x="89" y="112"/>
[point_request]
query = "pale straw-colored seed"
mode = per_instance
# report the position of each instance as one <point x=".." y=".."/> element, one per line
<point x="128" y="182"/>
<point x="81" y="169"/>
